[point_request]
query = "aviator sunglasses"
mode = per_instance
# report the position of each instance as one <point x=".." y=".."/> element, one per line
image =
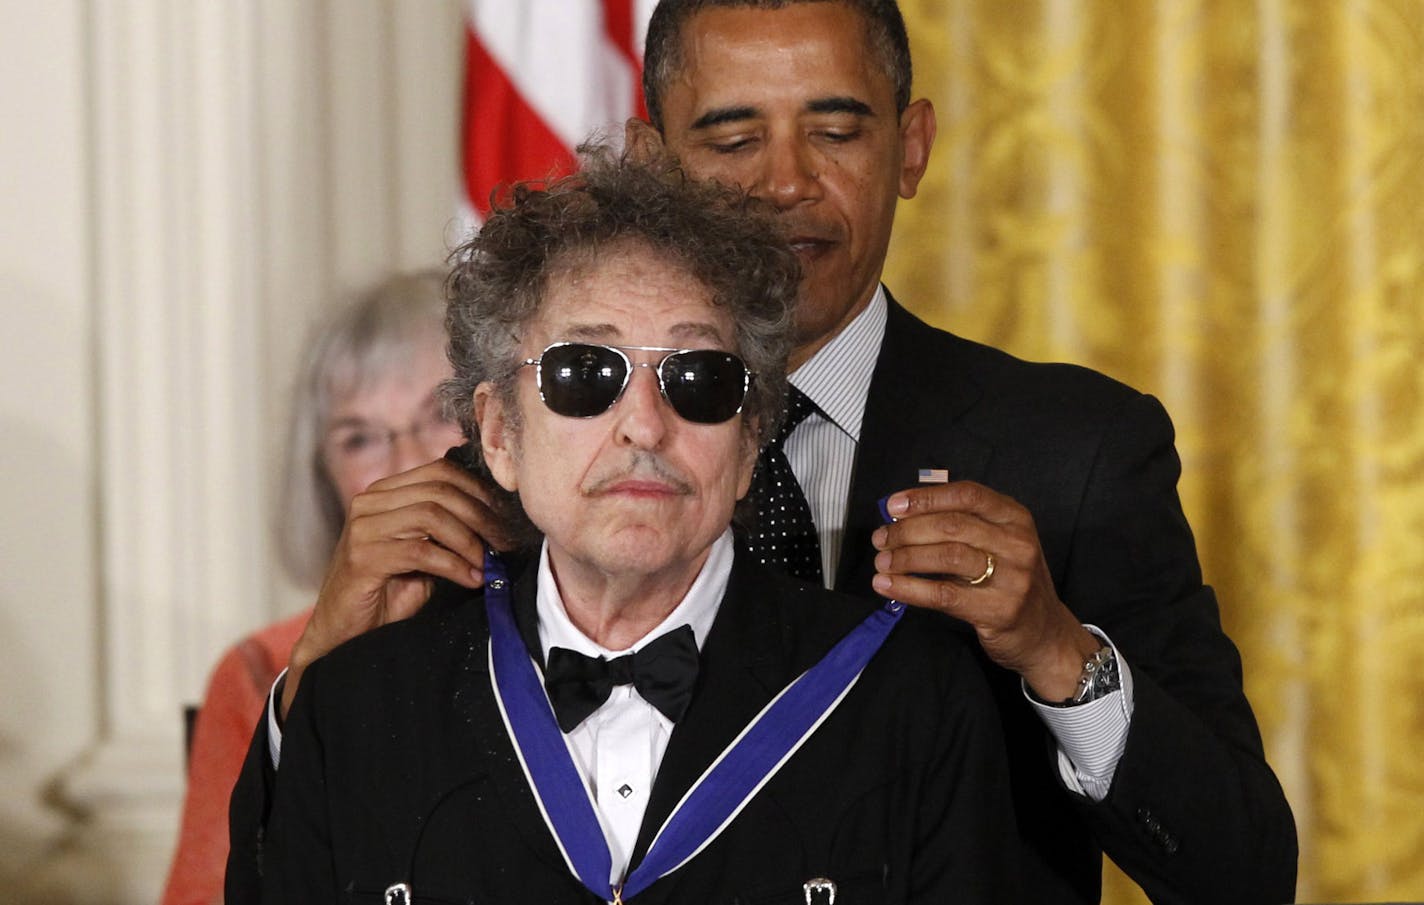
<point x="581" y="380"/>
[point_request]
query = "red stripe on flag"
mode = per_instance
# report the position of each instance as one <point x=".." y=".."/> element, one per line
<point x="505" y="140"/>
<point x="618" y="20"/>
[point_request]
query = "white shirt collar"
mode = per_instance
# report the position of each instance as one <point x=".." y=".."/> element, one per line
<point x="837" y="377"/>
<point x="697" y="609"/>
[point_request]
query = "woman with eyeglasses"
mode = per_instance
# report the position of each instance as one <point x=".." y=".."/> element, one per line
<point x="366" y="408"/>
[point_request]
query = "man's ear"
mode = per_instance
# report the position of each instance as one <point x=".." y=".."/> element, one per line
<point x="917" y="135"/>
<point x="497" y="439"/>
<point x="642" y="142"/>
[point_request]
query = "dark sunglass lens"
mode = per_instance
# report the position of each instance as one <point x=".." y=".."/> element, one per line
<point x="704" y="385"/>
<point x="580" y="381"/>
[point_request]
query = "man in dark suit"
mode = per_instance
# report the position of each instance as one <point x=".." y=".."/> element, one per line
<point x="619" y="345"/>
<point x="1131" y="737"/>
<point x="1060" y="541"/>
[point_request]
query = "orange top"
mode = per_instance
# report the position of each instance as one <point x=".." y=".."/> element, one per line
<point x="236" y="697"/>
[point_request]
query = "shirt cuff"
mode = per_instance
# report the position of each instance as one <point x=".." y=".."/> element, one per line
<point x="274" y="728"/>
<point x="1091" y="737"/>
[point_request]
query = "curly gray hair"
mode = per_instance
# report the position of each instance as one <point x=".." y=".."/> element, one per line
<point x="724" y="240"/>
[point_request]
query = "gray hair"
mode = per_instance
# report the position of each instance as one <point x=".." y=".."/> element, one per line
<point x="726" y="241"/>
<point x="362" y="343"/>
<point x="662" y="53"/>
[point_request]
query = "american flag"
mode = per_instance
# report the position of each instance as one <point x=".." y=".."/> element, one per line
<point x="540" y="76"/>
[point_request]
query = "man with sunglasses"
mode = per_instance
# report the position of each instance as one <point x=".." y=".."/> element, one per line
<point x="636" y="711"/>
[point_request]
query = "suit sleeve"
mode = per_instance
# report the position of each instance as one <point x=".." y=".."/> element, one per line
<point x="248" y="810"/>
<point x="1194" y="813"/>
<point x="297" y="858"/>
<point x="279" y="823"/>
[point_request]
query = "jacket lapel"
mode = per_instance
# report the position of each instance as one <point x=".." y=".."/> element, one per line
<point x="484" y="728"/>
<point x="913" y="420"/>
<point x="765" y="635"/>
<point x="742" y="665"/>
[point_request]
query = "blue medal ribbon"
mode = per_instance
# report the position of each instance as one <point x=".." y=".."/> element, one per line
<point x="726" y="787"/>
<point x="539" y="742"/>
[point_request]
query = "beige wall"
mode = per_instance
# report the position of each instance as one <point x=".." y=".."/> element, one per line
<point x="184" y="185"/>
<point x="48" y="537"/>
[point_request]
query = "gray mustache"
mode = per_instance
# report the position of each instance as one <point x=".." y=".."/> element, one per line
<point x="644" y="465"/>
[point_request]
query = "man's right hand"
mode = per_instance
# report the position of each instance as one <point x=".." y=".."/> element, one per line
<point x="400" y="534"/>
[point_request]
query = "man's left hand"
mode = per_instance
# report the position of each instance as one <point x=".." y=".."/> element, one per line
<point x="942" y="541"/>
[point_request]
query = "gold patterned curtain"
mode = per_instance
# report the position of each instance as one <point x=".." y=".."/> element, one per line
<point x="1221" y="202"/>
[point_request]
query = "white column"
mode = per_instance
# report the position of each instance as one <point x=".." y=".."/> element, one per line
<point x="183" y="560"/>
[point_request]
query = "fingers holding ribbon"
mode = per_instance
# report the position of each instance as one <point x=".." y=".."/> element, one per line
<point x="958" y="547"/>
<point x="400" y="534"/>
<point x="975" y="554"/>
<point x="956" y="532"/>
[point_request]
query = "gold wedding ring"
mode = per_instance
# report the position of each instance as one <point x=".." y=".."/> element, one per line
<point x="988" y="570"/>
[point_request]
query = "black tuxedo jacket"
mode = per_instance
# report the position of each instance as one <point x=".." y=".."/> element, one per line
<point x="1194" y="813"/>
<point x="396" y="767"/>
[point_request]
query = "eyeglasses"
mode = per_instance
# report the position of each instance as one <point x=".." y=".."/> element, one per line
<point x="369" y="443"/>
<point x="581" y="380"/>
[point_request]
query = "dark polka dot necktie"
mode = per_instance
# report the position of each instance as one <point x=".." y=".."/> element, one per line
<point x="785" y="536"/>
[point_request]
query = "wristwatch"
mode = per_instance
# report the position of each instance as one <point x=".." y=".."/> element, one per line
<point x="1100" y="677"/>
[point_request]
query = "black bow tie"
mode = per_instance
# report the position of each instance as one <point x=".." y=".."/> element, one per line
<point x="663" y="673"/>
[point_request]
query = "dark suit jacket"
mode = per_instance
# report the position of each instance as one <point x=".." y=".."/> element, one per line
<point x="397" y="767"/>
<point x="1194" y="813"/>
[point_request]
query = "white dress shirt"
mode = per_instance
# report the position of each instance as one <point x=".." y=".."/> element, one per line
<point x="1091" y="737"/>
<point x="619" y="747"/>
